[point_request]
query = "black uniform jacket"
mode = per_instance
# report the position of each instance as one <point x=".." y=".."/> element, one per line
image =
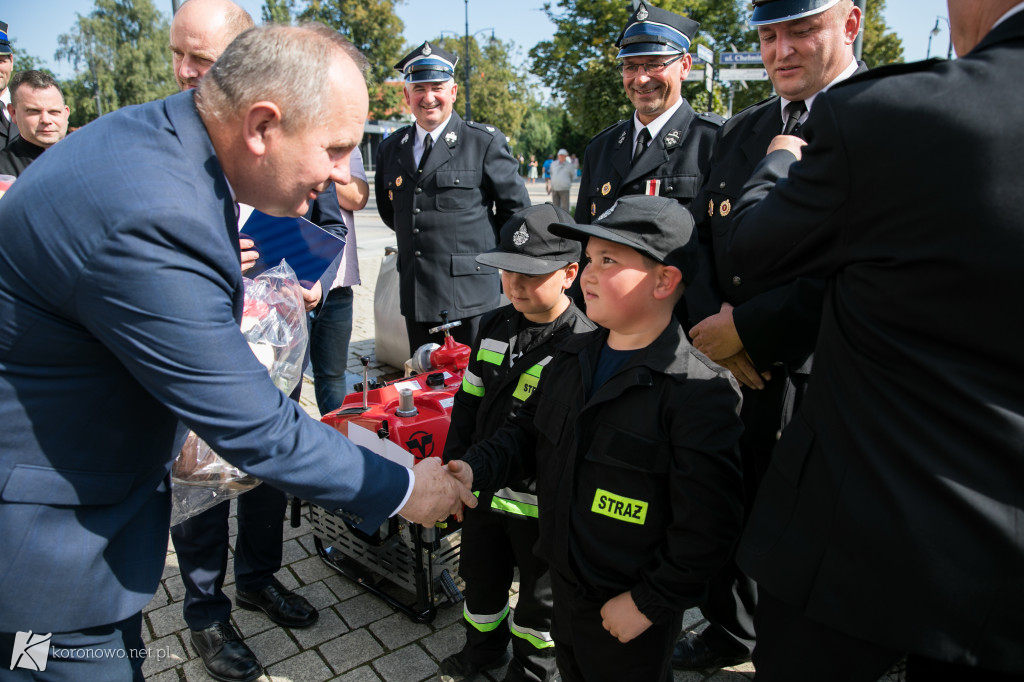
<point x="447" y="215"/>
<point x="898" y="487"/>
<point x="639" y="487"/>
<point x="678" y="157"/>
<point x="17" y="156"/>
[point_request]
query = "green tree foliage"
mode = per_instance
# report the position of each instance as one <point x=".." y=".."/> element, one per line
<point x="277" y="11"/>
<point x="120" y="54"/>
<point x="376" y="30"/>
<point x="497" y="88"/>
<point x="881" y="45"/>
<point x="537" y="133"/>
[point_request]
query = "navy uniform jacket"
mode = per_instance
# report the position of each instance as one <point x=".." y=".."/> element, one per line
<point x="678" y="157"/>
<point x="447" y="215"/>
<point x="118" y="317"/>
<point x="898" y="487"/>
<point x="638" y="487"/>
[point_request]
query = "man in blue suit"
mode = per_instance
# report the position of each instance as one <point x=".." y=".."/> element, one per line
<point x="120" y="317"/>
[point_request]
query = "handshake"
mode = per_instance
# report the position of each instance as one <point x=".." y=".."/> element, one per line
<point x="439" y="491"/>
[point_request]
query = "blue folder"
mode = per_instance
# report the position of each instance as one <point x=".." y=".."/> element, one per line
<point x="308" y="249"/>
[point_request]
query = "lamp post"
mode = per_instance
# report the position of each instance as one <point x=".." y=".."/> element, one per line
<point x="467" y="60"/>
<point x="936" y="31"/>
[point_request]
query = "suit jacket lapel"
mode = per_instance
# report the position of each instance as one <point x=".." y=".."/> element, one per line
<point x="405" y="157"/>
<point x="769" y="124"/>
<point x="657" y="154"/>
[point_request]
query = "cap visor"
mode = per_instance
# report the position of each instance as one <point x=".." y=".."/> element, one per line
<point x="517" y="262"/>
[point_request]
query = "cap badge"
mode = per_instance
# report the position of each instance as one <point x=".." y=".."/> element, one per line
<point x="711" y="208"/>
<point x="606" y="188"/>
<point x="426" y="49"/>
<point x="521" y="236"/>
<point x="724" y="208"/>
<point x="671" y="138"/>
<point x="642" y="14"/>
<point x="398" y="181"/>
<point x="451" y="138"/>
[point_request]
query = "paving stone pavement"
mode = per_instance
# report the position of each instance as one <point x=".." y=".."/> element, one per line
<point x="359" y="638"/>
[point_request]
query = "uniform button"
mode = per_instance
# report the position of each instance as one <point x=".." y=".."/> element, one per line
<point x="415" y="211"/>
<point x="478" y="268"/>
<point x="456" y="181"/>
<point x="415" y="230"/>
<point x="670" y="188"/>
<point x="722" y="185"/>
<point x="416" y="253"/>
<point x="419" y="190"/>
<point x="736" y="281"/>
<point x="778" y="435"/>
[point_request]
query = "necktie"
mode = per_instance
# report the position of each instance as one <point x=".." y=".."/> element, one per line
<point x="794" y="110"/>
<point x="428" y="144"/>
<point x="642" y="141"/>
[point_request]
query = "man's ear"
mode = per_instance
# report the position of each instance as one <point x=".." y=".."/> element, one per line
<point x="669" y="282"/>
<point x="261" y="122"/>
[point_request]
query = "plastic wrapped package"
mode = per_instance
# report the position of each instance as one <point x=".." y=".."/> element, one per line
<point x="274" y="324"/>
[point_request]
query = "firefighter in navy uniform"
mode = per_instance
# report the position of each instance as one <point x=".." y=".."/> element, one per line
<point x="671" y="157"/>
<point x="516" y="342"/>
<point x="445" y="186"/>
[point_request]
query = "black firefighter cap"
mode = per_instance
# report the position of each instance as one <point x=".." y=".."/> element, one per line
<point x="775" y="11"/>
<point x="655" y="31"/>
<point x="658" y="227"/>
<point x="5" y="42"/>
<point x="428" y="64"/>
<point x="528" y="245"/>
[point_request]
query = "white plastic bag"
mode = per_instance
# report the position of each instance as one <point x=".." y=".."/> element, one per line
<point x="390" y="337"/>
<point x="274" y="324"/>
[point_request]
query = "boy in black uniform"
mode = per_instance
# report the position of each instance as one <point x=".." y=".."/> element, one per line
<point x="515" y="343"/>
<point x="632" y="436"/>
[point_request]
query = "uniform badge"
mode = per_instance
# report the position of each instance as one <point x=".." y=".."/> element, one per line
<point x="711" y="208"/>
<point x="642" y="13"/>
<point x="593" y="209"/>
<point x="426" y="49"/>
<point x="451" y="138"/>
<point x="671" y="138"/>
<point x="521" y="236"/>
<point x="398" y="181"/>
<point x="405" y="138"/>
<point x="609" y="211"/>
<point x="622" y="138"/>
<point x="490" y="129"/>
<point x="724" y="208"/>
<point x="606" y="188"/>
<point x="391" y="195"/>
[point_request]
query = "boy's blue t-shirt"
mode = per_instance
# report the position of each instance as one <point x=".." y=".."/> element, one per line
<point x="608" y="363"/>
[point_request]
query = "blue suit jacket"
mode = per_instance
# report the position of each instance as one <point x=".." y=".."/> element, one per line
<point x="119" y="311"/>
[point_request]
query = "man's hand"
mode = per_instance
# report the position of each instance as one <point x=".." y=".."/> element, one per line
<point x="249" y="254"/>
<point x="464" y="473"/>
<point x="742" y="367"/>
<point x="436" y="494"/>
<point x="311" y="297"/>
<point x="790" y="143"/>
<point x="622" y="619"/>
<point x="716" y="336"/>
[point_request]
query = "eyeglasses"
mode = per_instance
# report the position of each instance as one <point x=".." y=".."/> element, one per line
<point x="652" y="69"/>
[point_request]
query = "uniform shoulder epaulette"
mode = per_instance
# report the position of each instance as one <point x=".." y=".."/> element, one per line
<point x="609" y="128"/>
<point x="712" y="118"/>
<point x="398" y="132"/>
<point x="486" y="127"/>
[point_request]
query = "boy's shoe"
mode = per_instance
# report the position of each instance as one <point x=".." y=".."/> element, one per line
<point x="456" y="668"/>
<point x="693" y="653"/>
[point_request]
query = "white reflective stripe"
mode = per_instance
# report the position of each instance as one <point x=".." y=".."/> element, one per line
<point x="539" y="638"/>
<point x="484" y="618"/>
<point x="494" y="346"/>
<point x="545" y="361"/>
<point x="473" y="379"/>
<point x="507" y="494"/>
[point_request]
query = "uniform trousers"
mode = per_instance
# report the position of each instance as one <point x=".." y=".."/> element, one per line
<point x="493" y="544"/>
<point x="585" y="652"/>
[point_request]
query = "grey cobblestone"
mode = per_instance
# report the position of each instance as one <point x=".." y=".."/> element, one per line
<point x="406" y="665"/>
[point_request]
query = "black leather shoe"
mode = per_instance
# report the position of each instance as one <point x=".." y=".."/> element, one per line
<point x="456" y="667"/>
<point x="283" y="606"/>
<point x="693" y="653"/>
<point x="225" y="655"/>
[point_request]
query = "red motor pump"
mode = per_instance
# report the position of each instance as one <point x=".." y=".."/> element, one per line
<point x="404" y="420"/>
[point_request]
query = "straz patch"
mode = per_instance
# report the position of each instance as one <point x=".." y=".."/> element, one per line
<point x="618" y="507"/>
<point x="527" y="385"/>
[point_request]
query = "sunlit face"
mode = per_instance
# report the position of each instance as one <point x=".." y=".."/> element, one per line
<point x="431" y="103"/>
<point x="301" y="163"/>
<point x="618" y="286"/>
<point x="539" y="297"/>
<point x="41" y="115"/>
<point x="198" y="37"/>
<point x="804" y="55"/>
<point x="653" y="95"/>
<point x="6" y="67"/>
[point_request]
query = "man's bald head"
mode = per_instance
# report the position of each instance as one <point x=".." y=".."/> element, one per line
<point x="200" y="31"/>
